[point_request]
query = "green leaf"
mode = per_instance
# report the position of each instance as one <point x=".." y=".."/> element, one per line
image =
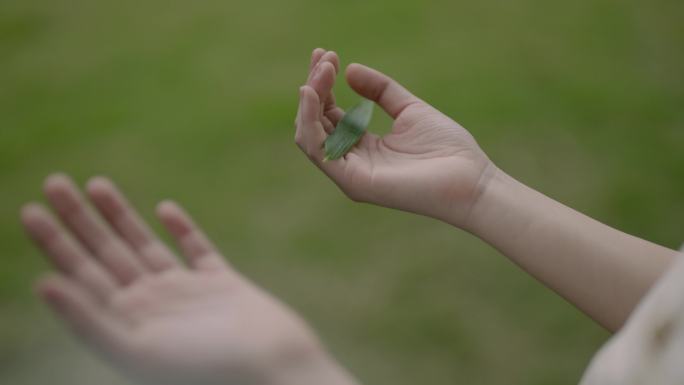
<point x="349" y="130"/>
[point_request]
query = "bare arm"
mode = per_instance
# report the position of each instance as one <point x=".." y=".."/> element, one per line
<point x="601" y="270"/>
<point x="430" y="165"/>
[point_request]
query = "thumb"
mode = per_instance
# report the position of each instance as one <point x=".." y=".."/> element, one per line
<point x="380" y="88"/>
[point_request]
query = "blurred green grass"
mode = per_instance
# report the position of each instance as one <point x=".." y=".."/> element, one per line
<point x="195" y="101"/>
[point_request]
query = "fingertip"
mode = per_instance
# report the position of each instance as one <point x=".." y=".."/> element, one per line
<point x="56" y="182"/>
<point x="324" y="79"/>
<point x="327" y="66"/>
<point x="351" y="67"/>
<point x="99" y="185"/>
<point x="62" y="192"/>
<point x="310" y="94"/>
<point x="335" y="60"/>
<point x="174" y="218"/>
<point x="172" y="215"/>
<point x="166" y="207"/>
<point x="305" y="89"/>
<point x="316" y="56"/>
<point x="37" y="222"/>
<point x="29" y="212"/>
<point x="328" y="56"/>
<point x="355" y="73"/>
<point x="105" y="196"/>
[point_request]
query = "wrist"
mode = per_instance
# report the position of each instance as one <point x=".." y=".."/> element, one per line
<point x="461" y="207"/>
<point x="495" y="199"/>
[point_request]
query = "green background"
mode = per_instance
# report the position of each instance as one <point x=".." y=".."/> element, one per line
<point x="195" y="101"/>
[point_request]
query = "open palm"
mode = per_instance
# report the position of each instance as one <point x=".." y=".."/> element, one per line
<point x="427" y="163"/>
<point x="124" y="292"/>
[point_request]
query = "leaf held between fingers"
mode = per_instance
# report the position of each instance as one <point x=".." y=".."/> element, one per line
<point x="349" y="130"/>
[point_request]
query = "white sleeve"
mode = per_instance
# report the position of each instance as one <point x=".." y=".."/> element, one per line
<point x="649" y="349"/>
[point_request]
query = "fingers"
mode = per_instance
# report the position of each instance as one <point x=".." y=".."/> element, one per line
<point x="72" y="209"/>
<point x="317" y="114"/>
<point x="324" y="67"/>
<point x="310" y="133"/>
<point x="128" y="224"/>
<point x="323" y="79"/>
<point x="333" y="58"/>
<point x="382" y="89"/>
<point x="67" y="255"/>
<point x="320" y="56"/>
<point x="78" y="309"/>
<point x="194" y="244"/>
<point x="315" y="57"/>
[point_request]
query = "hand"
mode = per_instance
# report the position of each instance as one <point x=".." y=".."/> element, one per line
<point x="427" y="164"/>
<point x="123" y="291"/>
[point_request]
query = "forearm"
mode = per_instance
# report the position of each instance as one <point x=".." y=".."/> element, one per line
<point x="601" y="270"/>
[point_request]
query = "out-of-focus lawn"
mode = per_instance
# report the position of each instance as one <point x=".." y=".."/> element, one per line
<point x="195" y="101"/>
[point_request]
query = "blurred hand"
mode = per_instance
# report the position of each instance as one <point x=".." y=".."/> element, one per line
<point x="427" y="164"/>
<point x="124" y="292"/>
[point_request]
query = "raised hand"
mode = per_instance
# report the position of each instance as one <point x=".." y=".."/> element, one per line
<point x="427" y="164"/>
<point x="125" y="293"/>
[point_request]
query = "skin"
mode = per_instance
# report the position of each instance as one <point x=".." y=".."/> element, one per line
<point x="430" y="165"/>
<point x="426" y="158"/>
<point x="124" y="293"/>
